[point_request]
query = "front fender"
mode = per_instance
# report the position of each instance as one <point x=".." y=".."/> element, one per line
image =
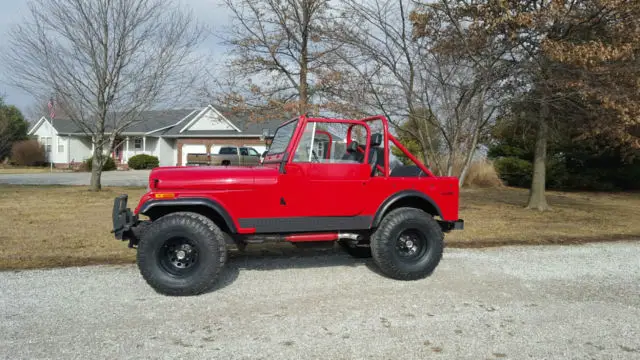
<point x="148" y="206"/>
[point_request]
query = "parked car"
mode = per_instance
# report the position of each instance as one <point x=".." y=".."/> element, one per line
<point x="237" y="156"/>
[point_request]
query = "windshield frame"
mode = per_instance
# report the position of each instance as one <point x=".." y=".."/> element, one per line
<point x="271" y="157"/>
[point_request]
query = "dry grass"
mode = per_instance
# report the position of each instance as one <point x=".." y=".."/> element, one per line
<point x="497" y="217"/>
<point x="26" y="170"/>
<point x="482" y="174"/>
<point x="49" y="226"/>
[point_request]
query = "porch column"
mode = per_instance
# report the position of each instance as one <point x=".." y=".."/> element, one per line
<point x="126" y="146"/>
<point x="144" y="144"/>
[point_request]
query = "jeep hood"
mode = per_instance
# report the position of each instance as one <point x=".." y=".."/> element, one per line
<point x="210" y="177"/>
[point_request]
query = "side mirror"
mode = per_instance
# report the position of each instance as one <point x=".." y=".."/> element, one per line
<point x="265" y="153"/>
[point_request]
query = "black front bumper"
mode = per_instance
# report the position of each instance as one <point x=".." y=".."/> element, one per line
<point x="124" y="221"/>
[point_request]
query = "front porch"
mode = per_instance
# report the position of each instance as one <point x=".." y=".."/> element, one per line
<point x="127" y="146"/>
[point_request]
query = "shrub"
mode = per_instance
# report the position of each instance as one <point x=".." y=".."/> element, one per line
<point x="514" y="171"/>
<point x="143" y="161"/>
<point x="28" y="153"/>
<point x="482" y="173"/>
<point x="110" y="165"/>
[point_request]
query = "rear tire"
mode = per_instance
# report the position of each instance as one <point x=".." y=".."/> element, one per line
<point x="182" y="254"/>
<point x="408" y="244"/>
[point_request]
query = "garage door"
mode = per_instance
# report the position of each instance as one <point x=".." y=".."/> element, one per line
<point x="192" y="149"/>
<point x="215" y="149"/>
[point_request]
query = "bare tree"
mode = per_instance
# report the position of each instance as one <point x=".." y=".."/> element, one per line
<point x="282" y="44"/>
<point x="404" y="77"/>
<point x="105" y="61"/>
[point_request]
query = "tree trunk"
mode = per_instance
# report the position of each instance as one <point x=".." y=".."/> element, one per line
<point x="96" y="167"/>
<point x="304" y="59"/>
<point x="474" y="138"/>
<point x="469" y="158"/>
<point x="451" y="161"/>
<point x="537" y="198"/>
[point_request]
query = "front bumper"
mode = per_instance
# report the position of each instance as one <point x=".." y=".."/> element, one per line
<point x="124" y="221"/>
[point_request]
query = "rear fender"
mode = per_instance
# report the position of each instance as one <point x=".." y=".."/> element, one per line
<point x="392" y="200"/>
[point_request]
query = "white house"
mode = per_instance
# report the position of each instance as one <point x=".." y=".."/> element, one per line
<point x="168" y="134"/>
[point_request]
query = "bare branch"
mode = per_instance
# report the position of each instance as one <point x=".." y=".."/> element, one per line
<point x="105" y="61"/>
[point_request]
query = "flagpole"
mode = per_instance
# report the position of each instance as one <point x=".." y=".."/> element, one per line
<point x="51" y="152"/>
<point x="52" y="113"/>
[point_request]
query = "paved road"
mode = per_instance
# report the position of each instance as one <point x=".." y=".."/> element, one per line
<point x="577" y="302"/>
<point x="109" y="178"/>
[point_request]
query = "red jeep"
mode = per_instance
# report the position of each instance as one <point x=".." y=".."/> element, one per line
<point x="322" y="180"/>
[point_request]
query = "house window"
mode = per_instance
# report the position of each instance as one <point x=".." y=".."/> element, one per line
<point x="137" y="143"/>
<point x="61" y="141"/>
<point x="46" y="142"/>
<point x="319" y="149"/>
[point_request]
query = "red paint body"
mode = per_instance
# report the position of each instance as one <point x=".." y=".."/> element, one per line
<point x="310" y="189"/>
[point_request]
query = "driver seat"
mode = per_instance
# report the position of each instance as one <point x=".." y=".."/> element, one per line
<point x="352" y="153"/>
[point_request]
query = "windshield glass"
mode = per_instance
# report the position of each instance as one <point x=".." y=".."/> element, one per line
<point x="327" y="143"/>
<point x="281" y="138"/>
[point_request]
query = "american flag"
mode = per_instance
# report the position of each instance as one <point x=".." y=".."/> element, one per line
<point x="52" y="110"/>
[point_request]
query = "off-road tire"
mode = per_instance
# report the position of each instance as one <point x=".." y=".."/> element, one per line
<point x="385" y="239"/>
<point x="357" y="252"/>
<point x="208" y="241"/>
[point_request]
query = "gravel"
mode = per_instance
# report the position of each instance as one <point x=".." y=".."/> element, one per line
<point x="109" y="178"/>
<point x="573" y="302"/>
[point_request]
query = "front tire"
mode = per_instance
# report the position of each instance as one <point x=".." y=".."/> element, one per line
<point x="182" y="254"/>
<point x="408" y="244"/>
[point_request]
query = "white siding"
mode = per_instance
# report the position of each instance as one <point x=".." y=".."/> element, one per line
<point x="49" y="137"/>
<point x="80" y="148"/>
<point x="166" y="150"/>
<point x="150" y="147"/>
<point x="210" y="120"/>
<point x="64" y="148"/>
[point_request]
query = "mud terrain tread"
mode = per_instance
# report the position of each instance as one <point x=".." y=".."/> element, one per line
<point x="212" y="245"/>
<point x="383" y="242"/>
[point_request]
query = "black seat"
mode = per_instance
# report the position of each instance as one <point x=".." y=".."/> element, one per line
<point x="352" y="152"/>
<point x="376" y="153"/>
<point x="407" y="171"/>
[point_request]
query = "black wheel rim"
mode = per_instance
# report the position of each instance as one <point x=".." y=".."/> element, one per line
<point x="411" y="245"/>
<point x="178" y="256"/>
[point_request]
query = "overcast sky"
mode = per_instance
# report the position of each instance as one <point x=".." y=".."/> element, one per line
<point x="209" y="12"/>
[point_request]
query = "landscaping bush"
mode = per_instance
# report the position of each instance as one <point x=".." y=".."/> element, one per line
<point x="28" y="153"/>
<point x="143" y="161"/>
<point x="514" y="171"/>
<point x="110" y="165"/>
<point x="482" y="174"/>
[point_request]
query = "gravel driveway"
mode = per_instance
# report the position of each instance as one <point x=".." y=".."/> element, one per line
<point x="577" y="302"/>
<point x="109" y="178"/>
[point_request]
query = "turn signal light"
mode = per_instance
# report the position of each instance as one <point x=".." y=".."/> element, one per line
<point x="164" y="195"/>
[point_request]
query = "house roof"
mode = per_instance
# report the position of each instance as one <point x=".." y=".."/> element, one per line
<point x="240" y="120"/>
<point x="173" y="123"/>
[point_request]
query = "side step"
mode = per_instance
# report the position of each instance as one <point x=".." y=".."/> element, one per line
<point x="298" y="238"/>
